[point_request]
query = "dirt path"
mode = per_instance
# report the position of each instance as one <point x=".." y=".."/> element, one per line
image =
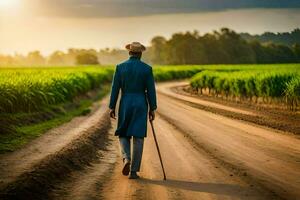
<point x="165" y="88"/>
<point x="206" y="156"/>
<point x="268" y="157"/>
<point x="191" y="173"/>
<point x="271" y="115"/>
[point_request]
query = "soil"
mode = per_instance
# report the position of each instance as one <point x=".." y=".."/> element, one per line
<point x="191" y="173"/>
<point x="206" y="154"/>
<point x="269" y="157"/>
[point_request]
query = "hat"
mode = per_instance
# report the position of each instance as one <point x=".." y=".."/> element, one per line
<point x="135" y="47"/>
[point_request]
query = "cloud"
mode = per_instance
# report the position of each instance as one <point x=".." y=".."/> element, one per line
<point x="25" y="34"/>
<point x="125" y="8"/>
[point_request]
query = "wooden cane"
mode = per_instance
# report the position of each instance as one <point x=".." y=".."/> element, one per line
<point x="157" y="147"/>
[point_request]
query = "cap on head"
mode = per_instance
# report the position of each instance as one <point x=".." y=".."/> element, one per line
<point x="135" y="47"/>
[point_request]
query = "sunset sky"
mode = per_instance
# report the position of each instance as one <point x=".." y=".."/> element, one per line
<point x="48" y="25"/>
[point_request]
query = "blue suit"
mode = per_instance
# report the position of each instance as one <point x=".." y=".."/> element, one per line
<point x="135" y="80"/>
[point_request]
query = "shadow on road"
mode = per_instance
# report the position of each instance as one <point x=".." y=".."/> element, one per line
<point x="214" y="188"/>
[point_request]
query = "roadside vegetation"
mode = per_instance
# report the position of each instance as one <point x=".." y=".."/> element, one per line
<point x="270" y="83"/>
<point x="28" y="90"/>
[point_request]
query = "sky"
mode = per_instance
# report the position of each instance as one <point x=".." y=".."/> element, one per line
<point x="49" y="25"/>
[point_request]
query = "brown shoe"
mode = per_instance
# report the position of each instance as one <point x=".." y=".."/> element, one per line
<point x="126" y="168"/>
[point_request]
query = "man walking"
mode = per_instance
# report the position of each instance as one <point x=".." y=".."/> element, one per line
<point x="135" y="79"/>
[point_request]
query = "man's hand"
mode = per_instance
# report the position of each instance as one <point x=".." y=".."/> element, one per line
<point x="151" y="115"/>
<point x="112" y="113"/>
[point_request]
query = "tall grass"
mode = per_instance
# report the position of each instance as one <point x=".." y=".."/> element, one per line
<point x="292" y="92"/>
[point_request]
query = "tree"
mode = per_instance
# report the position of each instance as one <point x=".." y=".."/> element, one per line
<point x="6" y="60"/>
<point x="35" y="58"/>
<point x="281" y="54"/>
<point x="57" y="58"/>
<point x="296" y="50"/>
<point x="158" y="45"/>
<point x="261" y="52"/>
<point x="237" y="49"/>
<point x="184" y="48"/>
<point x="285" y="38"/>
<point x="86" y="58"/>
<point x="214" y="52"/>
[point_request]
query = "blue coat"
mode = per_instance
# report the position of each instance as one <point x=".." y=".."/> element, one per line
<point x="135" y="79"/>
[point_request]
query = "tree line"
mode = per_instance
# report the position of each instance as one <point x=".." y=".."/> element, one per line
<point x="72" y="56"/>
<point x="285" y="38"/>
<point x="219" y="47"/>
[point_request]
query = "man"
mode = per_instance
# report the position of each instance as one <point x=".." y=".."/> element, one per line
<point x="135" y="79"/>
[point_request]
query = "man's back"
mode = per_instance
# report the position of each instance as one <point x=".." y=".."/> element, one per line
<point x="134" y="75"/>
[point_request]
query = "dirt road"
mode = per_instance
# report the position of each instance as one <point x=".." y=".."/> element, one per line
<point x="269" y="158"/>
<point x="191" y="173"/>
<point x="206" y="156"/>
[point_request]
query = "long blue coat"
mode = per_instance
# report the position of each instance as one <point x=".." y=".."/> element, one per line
<point x="135" y="80"/>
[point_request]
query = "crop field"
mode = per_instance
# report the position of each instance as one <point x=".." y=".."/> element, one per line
<point x="268" y="81"/>
<point x="26" y="90"/>
<point x="252" y="82"/>
<point x="29" y="89"/>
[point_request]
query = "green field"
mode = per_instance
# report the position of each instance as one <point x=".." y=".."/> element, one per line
<point x="268" y="81"/>
<point x="33" y="100"/>
<point x="27" y="90"/>
<point x="251" y="82"/>
<point x="30" y="89"/>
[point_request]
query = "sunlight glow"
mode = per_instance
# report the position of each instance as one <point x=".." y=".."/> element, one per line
<point x="8" y="3"/>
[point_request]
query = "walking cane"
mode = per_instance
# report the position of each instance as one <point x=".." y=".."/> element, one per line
<point x="157" y="147"/>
